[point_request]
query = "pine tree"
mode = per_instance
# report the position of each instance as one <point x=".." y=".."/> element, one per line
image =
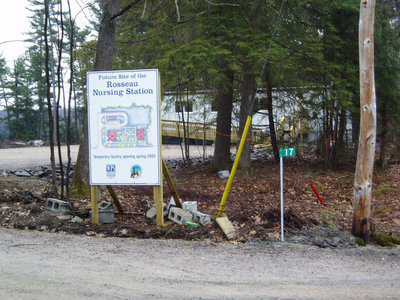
<point x="21" y="107"/>
<point x="387" y="73"/>
<point x="4" y="74"/>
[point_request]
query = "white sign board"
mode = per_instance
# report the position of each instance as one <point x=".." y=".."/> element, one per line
<point x="124" y="122"/>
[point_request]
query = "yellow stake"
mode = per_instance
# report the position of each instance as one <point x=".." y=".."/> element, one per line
<point x="233" y="171"/>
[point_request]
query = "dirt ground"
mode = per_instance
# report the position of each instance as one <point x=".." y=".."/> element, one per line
<point x="42" y="265"/>
<point x="253" y="205"/>
<point x="44" y="253"/>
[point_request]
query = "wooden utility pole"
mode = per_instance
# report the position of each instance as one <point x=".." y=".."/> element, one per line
<point x="367" y="139"/>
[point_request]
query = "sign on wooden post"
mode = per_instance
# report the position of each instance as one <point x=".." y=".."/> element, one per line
<point x="124" y="128"/>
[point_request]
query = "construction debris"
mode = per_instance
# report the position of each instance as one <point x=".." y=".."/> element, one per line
<point x="223" y="174"/>
<point x="186" y="214"/>
<point x="227" y="227"/>
<point x="179" y="215"/>
<point x="106" y="212"/>
<point x="57" y="205"/>
<point x="202" y="219"/>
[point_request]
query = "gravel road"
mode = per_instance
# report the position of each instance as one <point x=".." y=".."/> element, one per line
<point x="33" y="157"/>
<point x="38" y="265"/>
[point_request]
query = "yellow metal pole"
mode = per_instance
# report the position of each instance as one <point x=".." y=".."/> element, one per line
<point x="233" y="171"/>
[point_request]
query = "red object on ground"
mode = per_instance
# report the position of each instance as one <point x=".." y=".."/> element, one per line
<point x="320" y="201"/>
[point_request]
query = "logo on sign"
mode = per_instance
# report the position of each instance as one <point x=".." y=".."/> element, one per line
<point x="110" y="170"/>
<point x="136" y="171"/>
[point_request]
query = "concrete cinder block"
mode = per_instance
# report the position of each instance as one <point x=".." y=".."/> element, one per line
<point x="152" y="212"/>
<point x="165" y="209"/>
<point x="57" y="205"/>
<point x="106" y="212"/>
<point x="201" y="218"/>
<point x="179" y="215"/>
<point x="223" y="174"/>
<point x="105" y="217"/>
<point x="190" y="206"/>
<point x="105" y="206"/>
<point x="171" y="203"/>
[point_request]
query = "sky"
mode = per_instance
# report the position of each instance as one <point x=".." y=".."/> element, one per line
<point x="14" y="22"/>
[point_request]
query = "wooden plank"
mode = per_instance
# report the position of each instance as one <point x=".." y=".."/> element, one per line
<point x="95" y="197"/>
<point x="115" y="198"/>
<point x="196" y="130"/>
<point x="158" y="199"/>
<point x="227" y="227"/>
<point x="158" y="189"/>
<point x="171" y="185"/>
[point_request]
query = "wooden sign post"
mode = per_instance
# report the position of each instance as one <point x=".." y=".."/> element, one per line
<point x="125" y="133"/>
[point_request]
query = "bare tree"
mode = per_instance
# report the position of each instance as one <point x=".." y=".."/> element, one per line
<point x="367" y="139"/>
<point x="103" y="60"/>
<point x="57" y="102"/>
<point x="48" y="85"/>
<point x="71" y="81"/>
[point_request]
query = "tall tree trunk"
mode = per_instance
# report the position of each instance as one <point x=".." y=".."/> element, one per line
<point x="383" y="136"/>
<point x="248" y="92"/>
<point x="59" y="80"/>
<point x="249" y="88"/>
<point x="48" y="85"/>
<point x="186" y="128"/>
<point x="340" y="140"/>
<point x="7" y="109"/>
<point x="40" y="122"/>
<point x="272" y="133"/>
<point x="71" y="84"/>
<point x="103" y="60"/>
<point x="76" y="119"/>
<point x="355" y="126"/>
<point x="222" y="150"/>
<point x="335" y="124"/>
<point x="366" y="145"/>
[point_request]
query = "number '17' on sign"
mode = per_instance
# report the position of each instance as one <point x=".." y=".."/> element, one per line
<point x="287" y="152"/>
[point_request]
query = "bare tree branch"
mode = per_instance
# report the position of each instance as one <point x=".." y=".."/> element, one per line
<point x="144" y="8"/>
<point x="124" y="10"/>
<point x="178" y="19"/>
<point x="190" y="19"/>
<point x="12" y="41"/>
<point x="221" y="4"/>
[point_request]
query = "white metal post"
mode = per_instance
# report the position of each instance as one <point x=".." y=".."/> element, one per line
<point x="282" y="221"/>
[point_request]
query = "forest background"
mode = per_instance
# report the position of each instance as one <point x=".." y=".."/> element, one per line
<point x="232" y="52"/>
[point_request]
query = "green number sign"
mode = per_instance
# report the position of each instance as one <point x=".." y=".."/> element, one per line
<point x="287" y="152"/>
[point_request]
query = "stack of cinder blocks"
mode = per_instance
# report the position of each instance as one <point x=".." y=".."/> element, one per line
<point x="188" y="210"/>
<point x="187" y="213"/>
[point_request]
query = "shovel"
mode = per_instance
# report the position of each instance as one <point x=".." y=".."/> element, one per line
<point x="223" y="222"/>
